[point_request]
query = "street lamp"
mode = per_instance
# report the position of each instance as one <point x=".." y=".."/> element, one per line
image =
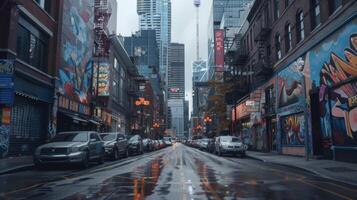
<point x="142" y="102"/>
<point x="207" y="121"/>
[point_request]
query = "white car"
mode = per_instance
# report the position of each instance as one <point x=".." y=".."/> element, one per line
<point x="230" y="145"/>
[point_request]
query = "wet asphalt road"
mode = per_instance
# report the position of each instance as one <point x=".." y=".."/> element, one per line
<point x="177" y="172"/>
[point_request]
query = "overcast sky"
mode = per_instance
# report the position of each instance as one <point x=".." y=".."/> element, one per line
<point x="183" y="29"/>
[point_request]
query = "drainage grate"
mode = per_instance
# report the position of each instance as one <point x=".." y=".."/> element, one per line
<point x="340" y="169"/>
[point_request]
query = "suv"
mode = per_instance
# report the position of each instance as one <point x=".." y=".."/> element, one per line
<point x="77" y="147"/>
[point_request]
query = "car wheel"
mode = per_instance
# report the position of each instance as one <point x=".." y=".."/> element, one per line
<point x="242" y="155"/>
<point x="101" y="158"/>
<point x="85" y="162"/>
<point x="115" y="154"/>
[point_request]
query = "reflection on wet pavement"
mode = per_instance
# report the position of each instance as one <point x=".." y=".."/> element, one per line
<point x="134" y="185"/>
<point x="180" y="172"/>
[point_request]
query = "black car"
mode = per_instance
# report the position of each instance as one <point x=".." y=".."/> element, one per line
<point x="115" y="145"/>
<point x="135" y="145"/>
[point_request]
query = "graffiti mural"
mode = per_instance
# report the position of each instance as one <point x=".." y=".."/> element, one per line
<point x="77" y="46"/>
<point x="293" y="129"/>
<point x="290" y="83"/>
<point x="101" y="79"/>
<point x="4" y="140"/>
<point x="332" y="63"/>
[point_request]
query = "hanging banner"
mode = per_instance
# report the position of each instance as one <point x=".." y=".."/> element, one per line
<point x="219" y="49"/>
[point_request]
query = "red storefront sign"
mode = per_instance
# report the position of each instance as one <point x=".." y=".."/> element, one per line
<point x="219" y="49"/>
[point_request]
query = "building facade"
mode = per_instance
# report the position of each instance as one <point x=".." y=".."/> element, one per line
<point x="28" y="60"/>
<point x="156" y="15"/>
<point x="176" y="71"/>
<point x="294" y="52"/>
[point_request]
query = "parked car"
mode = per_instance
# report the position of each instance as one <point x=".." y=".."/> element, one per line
<point x="135" y="145"/>
<point x="203" y="145"/>
<point x="148" y="145"/>
<point x="115" y="144"/>
<point x="156" y="144"/>
<point x="230" y="145"/>
<point x="167" y="141"/>
<point x="162" y="144"/>
<point x="211" y="145"/>
<point x="77" y="147"/>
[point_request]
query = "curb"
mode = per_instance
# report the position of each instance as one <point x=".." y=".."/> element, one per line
<point x="303" y="169"/>
<point x="17" y="169"/>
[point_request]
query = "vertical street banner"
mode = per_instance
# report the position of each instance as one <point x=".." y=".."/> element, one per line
<point x="219" y="49"/>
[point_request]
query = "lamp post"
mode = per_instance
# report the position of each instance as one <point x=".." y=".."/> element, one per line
<point x="142" y="102"/>
<point x="207" y="120"/>
<point x="156" y="126"/>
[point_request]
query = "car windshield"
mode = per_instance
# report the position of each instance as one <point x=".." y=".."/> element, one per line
<point x="234" y="139"/>
<point x="108" y="136"/>
<point x="135" y="138"/>
<point x="71" y="137"/>
<point x="226" y="139"/>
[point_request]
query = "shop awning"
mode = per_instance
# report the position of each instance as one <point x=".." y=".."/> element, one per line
<point x="94" y="122"/>
<point x="75" y="117"/>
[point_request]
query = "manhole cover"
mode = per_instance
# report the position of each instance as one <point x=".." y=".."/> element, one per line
<point x="340" y="169"/>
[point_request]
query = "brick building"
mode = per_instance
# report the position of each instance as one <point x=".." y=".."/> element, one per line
<point x="290" y="51"/>
<point x="28" y="60"/>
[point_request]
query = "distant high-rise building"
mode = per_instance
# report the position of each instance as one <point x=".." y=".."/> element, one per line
<point x="156" y="15"/>
<point x="177" y="118"/>
<point x="199" y="71"/>
<point x="143" y="47"/>
<point x="176" y="71"/>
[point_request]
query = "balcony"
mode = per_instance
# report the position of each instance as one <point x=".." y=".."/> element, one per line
<point x="242" y="56"/>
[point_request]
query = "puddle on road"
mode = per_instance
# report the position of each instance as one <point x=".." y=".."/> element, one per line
<point x="136" y="185"/>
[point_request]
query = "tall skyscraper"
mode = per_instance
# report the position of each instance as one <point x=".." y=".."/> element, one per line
<point x="176" y="71"/>
<point x="176" y="89"/>
<point x="156" y="15"/>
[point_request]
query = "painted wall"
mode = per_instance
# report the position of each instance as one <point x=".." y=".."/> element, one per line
<point x="332" y="61"/>
<point x="77" y="46"/>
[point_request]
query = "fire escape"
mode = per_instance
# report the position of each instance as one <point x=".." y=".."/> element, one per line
<point x="102" y="12"/>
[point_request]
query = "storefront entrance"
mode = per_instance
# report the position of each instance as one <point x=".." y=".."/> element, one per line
<point x="272" y="139"/>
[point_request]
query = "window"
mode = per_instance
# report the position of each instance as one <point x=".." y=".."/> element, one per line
<point x="32" y="45"/>
<point x="315" y="14"/>
<point x="334" y="5"/>
<point x="287" y="3"/>
<point x="276" y="9"/>
<point x="288" y="38"/>
<point x="300" y="26"/>
<point x="116" y="66"/>
<point x="45" y="4"/>
<point x="115" y="90"/>
<point x="278" y="46"/>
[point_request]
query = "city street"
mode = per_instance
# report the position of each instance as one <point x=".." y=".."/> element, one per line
<point x="177" y="172"/>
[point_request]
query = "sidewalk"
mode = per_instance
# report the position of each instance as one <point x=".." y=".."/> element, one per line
<point x="335" y="170"/>
<point x="14" y="164"/>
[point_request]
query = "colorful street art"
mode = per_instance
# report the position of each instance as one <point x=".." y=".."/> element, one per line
<point x="101" y="79"/>
<point x="290" y="83"/>
<point x="293" y="129"/>
<point x="332" y="63"/>
<point x="77" y="45"/>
